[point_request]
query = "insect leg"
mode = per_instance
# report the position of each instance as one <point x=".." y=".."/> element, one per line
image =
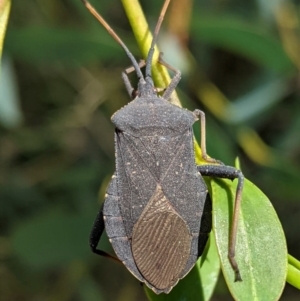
<point x="96" y="234"/>
<point x="126" y="80"/>
<point x="175" y="80"/>
<point x="205" y="226"/>
<point x="228" y="172"/>
<point x="201" y="116"/>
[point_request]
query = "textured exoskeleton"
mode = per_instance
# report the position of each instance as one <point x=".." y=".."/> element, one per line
<point x="157" y="213"/>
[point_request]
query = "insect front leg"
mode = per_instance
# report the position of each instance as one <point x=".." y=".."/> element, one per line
<point x="131" y="91"/>
<point x="228" y="172"/>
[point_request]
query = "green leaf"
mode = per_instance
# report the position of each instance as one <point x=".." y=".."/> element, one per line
<point x="199" y="284"/>
<point x="10" y="108"/>
<point x="261" y="251"/>
<point x="293" y="276"/>
<point x="250" y="105"/>
<point x="243" y="38"/>
<point x="209" y="268"/>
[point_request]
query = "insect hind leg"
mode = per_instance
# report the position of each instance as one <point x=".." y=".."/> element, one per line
<point x="228" y="172"/>
<point x="205" y="225"/>
<point x="96" y="234"/>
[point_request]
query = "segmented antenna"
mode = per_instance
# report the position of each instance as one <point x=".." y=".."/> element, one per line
<point x="93" y="11"/>
<point x="157" y="28"/>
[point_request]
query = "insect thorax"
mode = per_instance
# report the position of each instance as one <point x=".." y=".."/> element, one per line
<point x="144" y="117"/>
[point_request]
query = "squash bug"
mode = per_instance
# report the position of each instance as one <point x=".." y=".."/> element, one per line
<point x="157" y="210"/>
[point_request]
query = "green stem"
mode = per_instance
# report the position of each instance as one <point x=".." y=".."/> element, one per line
<point x="293" y="275"/>
<point x="4" y="14"/>
<point x="293" y="261"/>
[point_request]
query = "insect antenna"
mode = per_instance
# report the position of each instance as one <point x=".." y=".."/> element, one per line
<point x="94" y="12"/>
<point x="157" y="28"/>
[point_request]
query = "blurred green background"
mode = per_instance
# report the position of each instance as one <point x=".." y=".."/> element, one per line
<point x="61" y="82"/>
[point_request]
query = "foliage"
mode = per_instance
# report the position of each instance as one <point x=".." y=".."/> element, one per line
<point x="61" y="82"/>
